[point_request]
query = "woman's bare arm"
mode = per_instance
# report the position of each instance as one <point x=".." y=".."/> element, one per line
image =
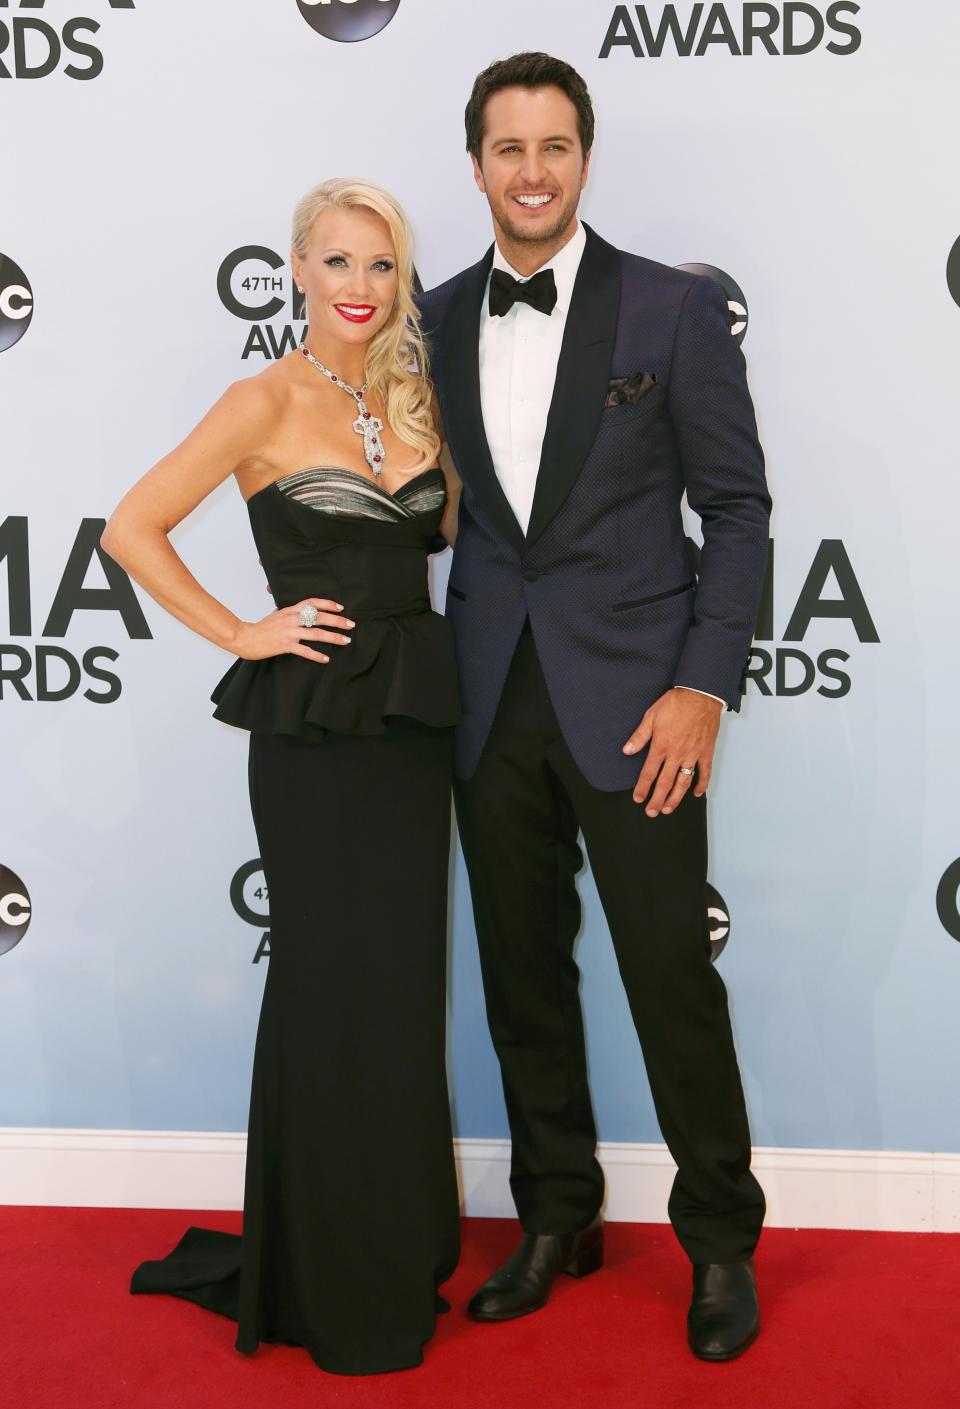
<point x="232" y="431"/>
<point x="448" y="524"/>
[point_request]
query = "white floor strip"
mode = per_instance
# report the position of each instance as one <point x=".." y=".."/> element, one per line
<point x="196" y="1170"/>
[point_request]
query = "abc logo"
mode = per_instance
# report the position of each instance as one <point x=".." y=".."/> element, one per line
<point x="718" y="921"/>
<point x="348" y="20"/>
<point x="948" y="896"/>
<point x="739" y="314"/>
<point x="16" y="303"/>
<point x="953" y="273"/>
<point x="14" y="909"/>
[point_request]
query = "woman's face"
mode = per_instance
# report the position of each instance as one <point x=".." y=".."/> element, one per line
<point x="349" y="275"/>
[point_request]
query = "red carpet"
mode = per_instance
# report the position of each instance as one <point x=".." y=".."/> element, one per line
<point x="851" y="1321"/>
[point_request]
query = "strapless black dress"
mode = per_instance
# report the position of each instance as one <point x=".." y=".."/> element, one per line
<point x="351" y="1216"/>
<point x="333" y="533"/>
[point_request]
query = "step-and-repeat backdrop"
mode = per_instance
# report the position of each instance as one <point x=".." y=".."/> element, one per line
<point x="151" y="157"/>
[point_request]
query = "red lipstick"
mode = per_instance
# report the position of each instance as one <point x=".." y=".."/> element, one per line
<point x="355" y="312"/>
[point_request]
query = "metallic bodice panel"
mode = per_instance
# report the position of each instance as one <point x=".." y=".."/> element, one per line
<point x="332" y="490"/>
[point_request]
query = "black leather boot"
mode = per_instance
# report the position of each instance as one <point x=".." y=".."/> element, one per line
<point x="724" y="1316"/>
<point x="523" y="1283"/>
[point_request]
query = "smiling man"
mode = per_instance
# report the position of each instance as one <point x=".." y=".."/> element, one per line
<point x="583" y="391"/>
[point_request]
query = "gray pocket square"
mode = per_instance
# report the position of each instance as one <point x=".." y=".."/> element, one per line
<point x="627" y="391"/>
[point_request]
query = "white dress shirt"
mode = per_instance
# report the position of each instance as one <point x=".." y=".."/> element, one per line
<point x="518" y="367"/>
<point x="519" y="353"/>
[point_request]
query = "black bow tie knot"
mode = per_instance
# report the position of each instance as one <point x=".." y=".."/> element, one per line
<point x="540" y="292"/>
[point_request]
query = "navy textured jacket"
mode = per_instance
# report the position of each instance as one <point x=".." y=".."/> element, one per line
<point x="650" y="400"/>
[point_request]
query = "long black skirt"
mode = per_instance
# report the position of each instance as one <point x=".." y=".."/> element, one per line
<point x="350" y="1219"/>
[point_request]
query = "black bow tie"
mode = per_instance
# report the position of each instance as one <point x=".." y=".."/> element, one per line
<point x="540" y="292"/>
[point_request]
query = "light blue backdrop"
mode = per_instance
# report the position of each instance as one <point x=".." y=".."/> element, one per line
<point x="822" y="184"/>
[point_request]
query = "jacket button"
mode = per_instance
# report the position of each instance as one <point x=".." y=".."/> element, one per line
<point x="530" y="575"/>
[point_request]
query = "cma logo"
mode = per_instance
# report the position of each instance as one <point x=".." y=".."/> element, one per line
<point x="774" y="29"/>
<point x="34" y="48"/>
<point x="15" y="909"/>
<point x="348" y="20"/>
<point x="251" y="289"/>
<point x="250" y="899"/>
<point x="789" y="670"/>
<point x="50" y="673"/>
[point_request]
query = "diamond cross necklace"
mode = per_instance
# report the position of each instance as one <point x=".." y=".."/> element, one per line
<point x="366" y="424"/>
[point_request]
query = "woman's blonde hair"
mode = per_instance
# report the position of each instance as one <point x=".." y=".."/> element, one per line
<point x="397" y="366"/>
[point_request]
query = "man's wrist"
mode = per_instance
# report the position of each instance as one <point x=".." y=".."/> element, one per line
<point x="706" y="693"/>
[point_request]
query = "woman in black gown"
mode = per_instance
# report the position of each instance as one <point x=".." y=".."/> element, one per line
<point x="349" y="692"/>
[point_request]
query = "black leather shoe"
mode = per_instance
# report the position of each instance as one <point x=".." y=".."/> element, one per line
<point x="523" y="1283"/>
<point x="724" y="1317"/>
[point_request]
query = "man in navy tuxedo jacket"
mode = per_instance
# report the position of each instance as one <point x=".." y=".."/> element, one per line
<point x="583" y="391"/>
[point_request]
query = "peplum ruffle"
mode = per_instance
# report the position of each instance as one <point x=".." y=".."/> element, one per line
<point x="394" y="665"/>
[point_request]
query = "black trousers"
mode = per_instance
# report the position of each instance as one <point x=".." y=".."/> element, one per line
<point x="519" y="816"/>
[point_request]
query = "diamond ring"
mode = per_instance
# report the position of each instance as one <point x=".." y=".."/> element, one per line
<point x="688" y="772"/>
<point x="308" y="615"/>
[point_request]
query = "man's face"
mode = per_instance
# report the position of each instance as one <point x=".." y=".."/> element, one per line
<point x="532" y="167"/>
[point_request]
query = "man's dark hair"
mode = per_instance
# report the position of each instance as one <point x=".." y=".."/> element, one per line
<point x="528" y="71"/>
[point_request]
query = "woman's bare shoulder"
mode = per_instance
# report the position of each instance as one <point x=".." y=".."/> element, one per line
<point x="263" y="396"/>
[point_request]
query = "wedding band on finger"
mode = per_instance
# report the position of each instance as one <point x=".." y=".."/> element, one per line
<point x="688" y="772"/>
<point x="309" y="615"/>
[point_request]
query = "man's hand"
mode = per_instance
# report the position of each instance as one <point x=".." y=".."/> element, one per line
<point x="681" y="729"/>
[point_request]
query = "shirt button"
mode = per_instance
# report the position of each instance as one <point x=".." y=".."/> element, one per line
<point x="522" y="458"/>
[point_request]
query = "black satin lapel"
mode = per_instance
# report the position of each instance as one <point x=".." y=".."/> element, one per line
<point x="583" y="374"/>
<point x="462" y="406"/>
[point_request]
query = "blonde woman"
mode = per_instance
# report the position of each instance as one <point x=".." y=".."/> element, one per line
<point x="349" y="692"/>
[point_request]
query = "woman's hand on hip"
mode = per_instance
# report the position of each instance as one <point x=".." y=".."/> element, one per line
<point x="283" y="634"/>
